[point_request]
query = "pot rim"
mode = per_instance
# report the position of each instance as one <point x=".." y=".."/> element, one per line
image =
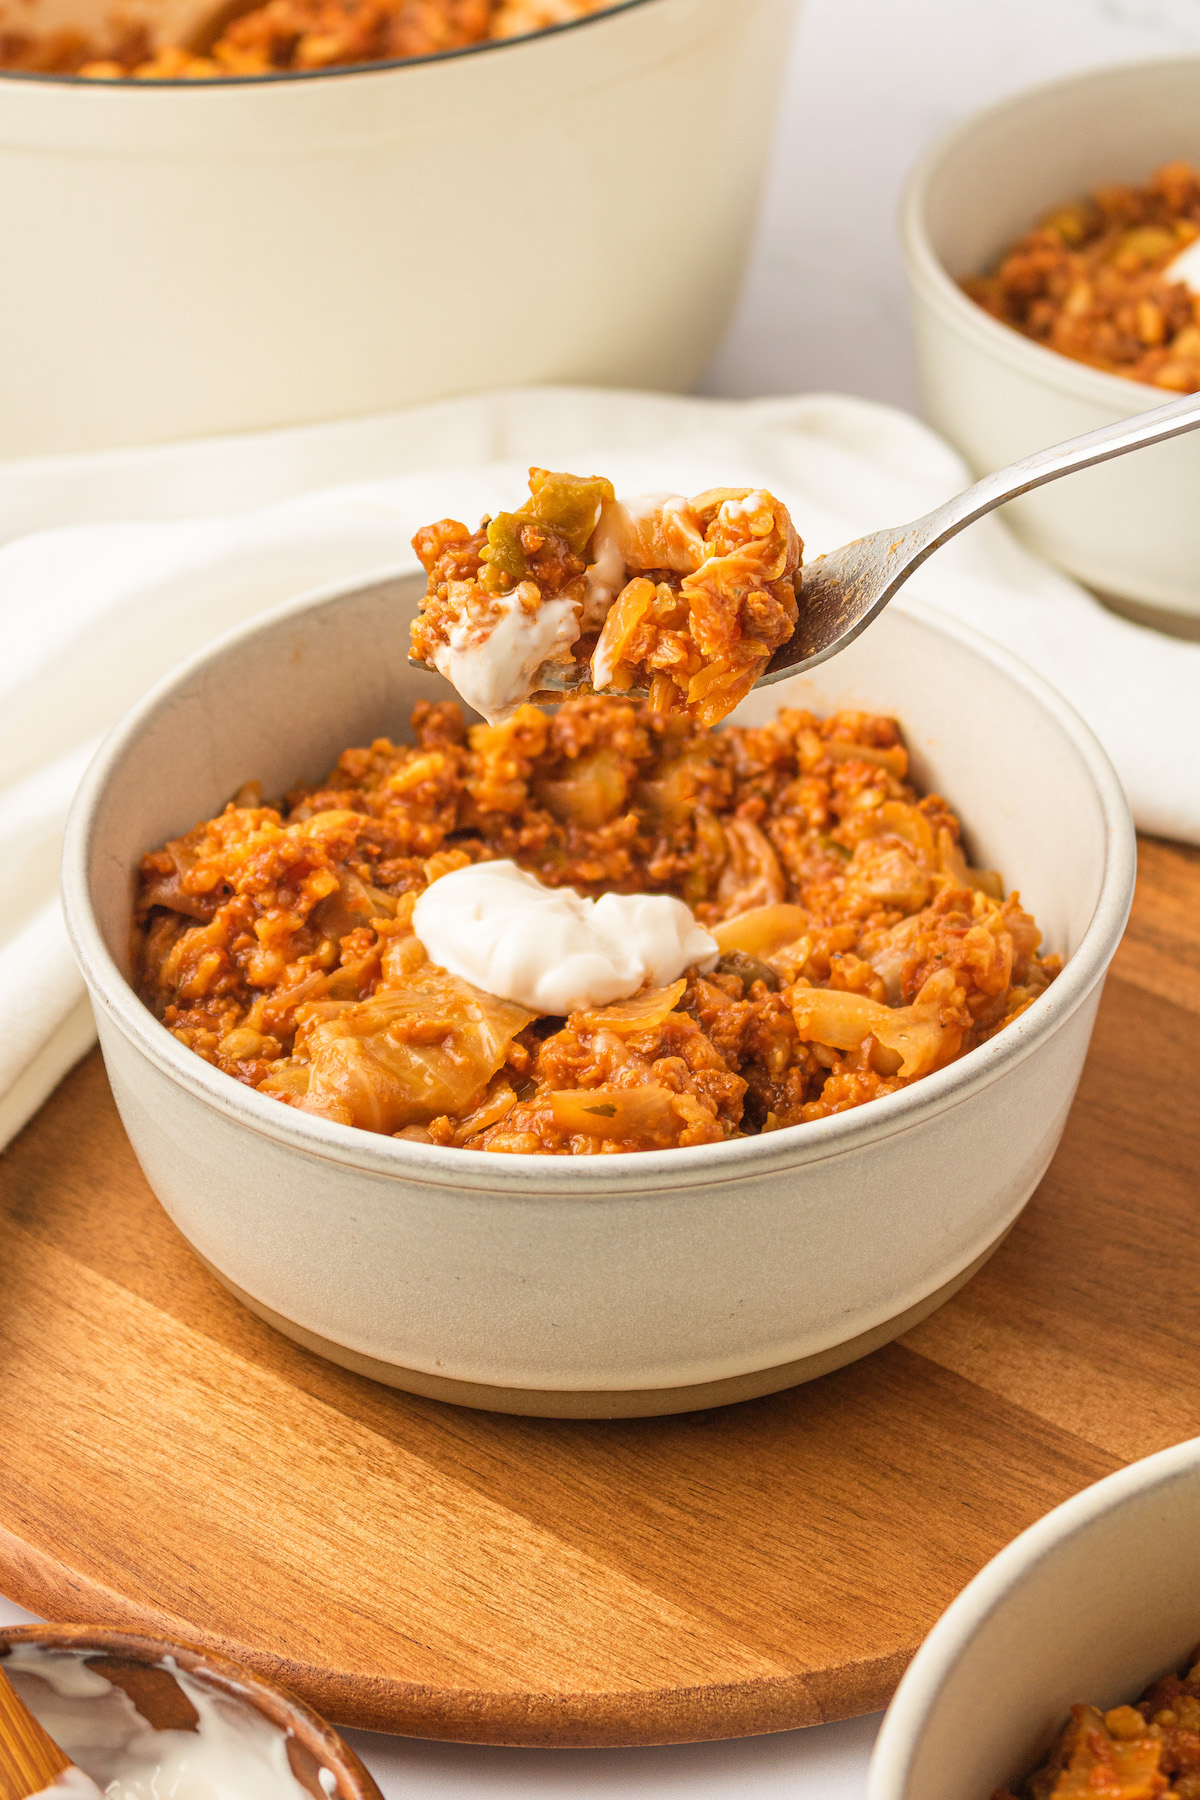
<point x="932" y="281"/>
<point x="951" y="1636"/>
<point x="275" y="1703"/>
<point x="530" y="1176"/>
<point x="184" y="83"/>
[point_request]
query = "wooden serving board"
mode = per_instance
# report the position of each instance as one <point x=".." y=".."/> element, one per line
<point x="168" y="1462"/>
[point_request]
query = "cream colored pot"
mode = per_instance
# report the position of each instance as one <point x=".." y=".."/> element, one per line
<point x="183" y="258"/>
<point x="1090" y="1605"/>
<point x="619" y="1285"/>
<point x="1129" y="528"/>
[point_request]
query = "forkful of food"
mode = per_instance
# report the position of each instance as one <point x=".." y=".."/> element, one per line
<point x="686" y="603"/>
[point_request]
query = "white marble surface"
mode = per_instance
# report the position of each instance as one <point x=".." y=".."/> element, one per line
<point x="870" y="83"/>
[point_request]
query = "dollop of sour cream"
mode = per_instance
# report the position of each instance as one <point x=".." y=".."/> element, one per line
<point x="550" y="949"/>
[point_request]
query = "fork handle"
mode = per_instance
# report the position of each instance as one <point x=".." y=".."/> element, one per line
<point x="1033" y="471"/>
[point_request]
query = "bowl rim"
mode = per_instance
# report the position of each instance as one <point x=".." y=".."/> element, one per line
<point x="951" y="1637"/>
<point x="276" y="1703"/>
<point x="131" y="84"/>
<point x="600" y="1176"/>
<point x="928" y="275"/>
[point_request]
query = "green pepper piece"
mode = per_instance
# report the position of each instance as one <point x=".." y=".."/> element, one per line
<point x="748" y="970"/>
<point x="504" y="562"/>
<point x="567" y="504"/>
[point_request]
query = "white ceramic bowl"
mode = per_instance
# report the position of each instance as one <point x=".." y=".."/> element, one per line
<point x="1091" y="1604"/>
<point x="1129" y="528"/>
<point x="654" y="1282"/>
<point x="185" y="258"/>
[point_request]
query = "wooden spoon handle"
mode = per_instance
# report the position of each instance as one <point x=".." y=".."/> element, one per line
<point x="30" y="1760"/>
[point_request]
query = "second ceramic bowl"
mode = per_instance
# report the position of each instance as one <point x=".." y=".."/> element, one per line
<point x="1129" y="528"/>
<point x="1088" y="1606"/>
<point x="610" y="1285"/>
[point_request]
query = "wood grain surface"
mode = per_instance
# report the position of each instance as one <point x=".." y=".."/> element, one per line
<point x="30" y="1760"/>
<point x="171" y="1464"/>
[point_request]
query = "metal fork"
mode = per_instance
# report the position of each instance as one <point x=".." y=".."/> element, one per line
<point x="842" y="592"/>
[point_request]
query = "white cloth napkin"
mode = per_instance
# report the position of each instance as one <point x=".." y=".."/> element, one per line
<point x="115" y="566"/>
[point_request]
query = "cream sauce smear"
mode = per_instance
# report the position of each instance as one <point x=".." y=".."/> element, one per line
<point x="234" y="1753"/>
<point x="494" y="670"/>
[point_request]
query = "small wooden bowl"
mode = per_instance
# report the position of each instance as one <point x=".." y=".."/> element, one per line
<point x="135" y="1662"/>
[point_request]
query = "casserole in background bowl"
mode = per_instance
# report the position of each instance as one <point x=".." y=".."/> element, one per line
<point x="600" y="1286"/>
<point x="1129" y="528"/>
<point x="199" y="257"/>
<point x="1089" y="1605"/>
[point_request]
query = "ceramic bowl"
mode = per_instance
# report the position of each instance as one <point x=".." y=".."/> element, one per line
<point x="203" y="257"/>
<point x="1091" y="1604"/>
<point x="322" y="1762"/>
<point x="1129" y="528"/>
<point x="655" y="1282"/>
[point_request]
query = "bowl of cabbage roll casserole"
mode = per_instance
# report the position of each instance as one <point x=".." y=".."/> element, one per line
<point x="511" y="1001"/>
<point x="1050" y="244"/>
<point x="1070" y="1666"/>
<point x="339" y="207"/>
